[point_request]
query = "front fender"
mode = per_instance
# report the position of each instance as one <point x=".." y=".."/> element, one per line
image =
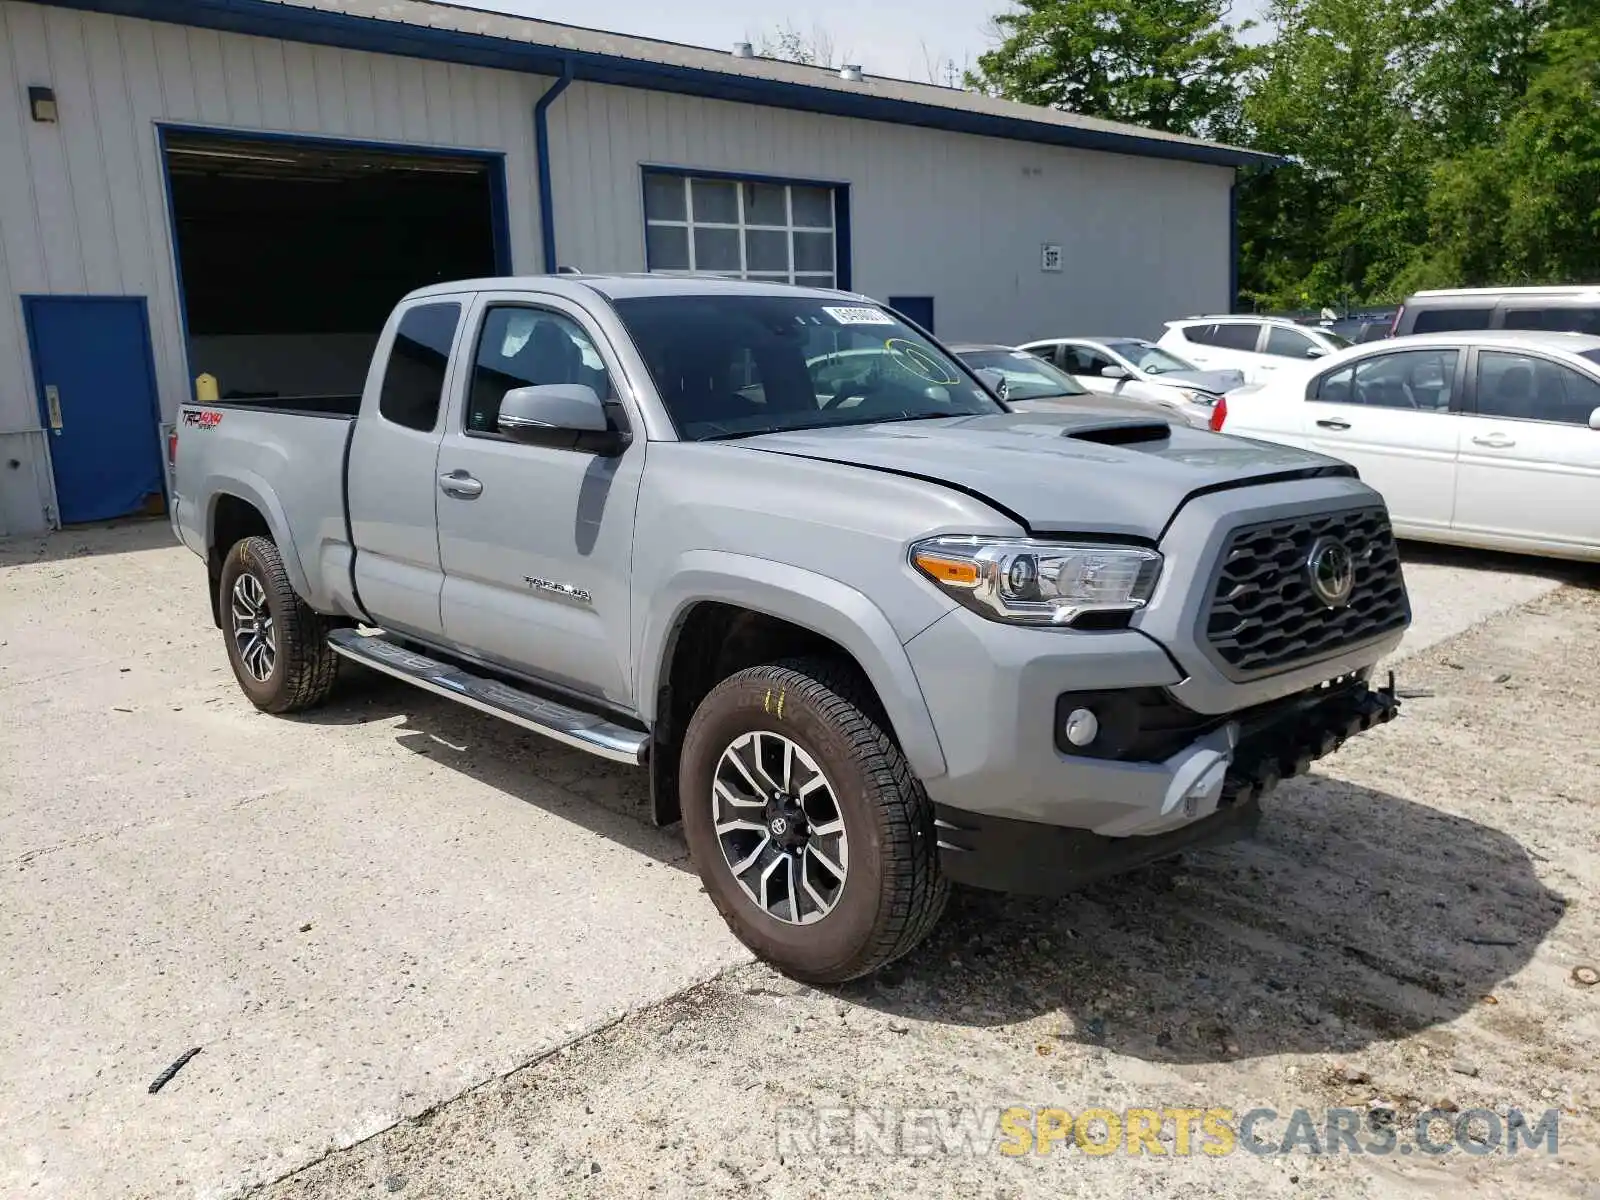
<point x="250" y="487"/>
<point x="814" y="602"/>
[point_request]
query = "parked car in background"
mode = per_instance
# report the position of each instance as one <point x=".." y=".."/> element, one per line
<point x="1254" y="346"/>
<point x="1134" y="369"/>
<point x="1030" y="383"/>
<point x="1362" y="327"/>
<point x="1553" y="309"/>
<point x="1479" y="438"/>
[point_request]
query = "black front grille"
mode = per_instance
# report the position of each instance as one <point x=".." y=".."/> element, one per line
<point x="1264" y="615"/>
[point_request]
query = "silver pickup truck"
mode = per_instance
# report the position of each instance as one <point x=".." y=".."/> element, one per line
<point x="870" y="629"/>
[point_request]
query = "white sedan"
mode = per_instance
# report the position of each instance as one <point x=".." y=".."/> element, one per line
<point x="1476" y="438"/>
<point x="1134" y="369"/>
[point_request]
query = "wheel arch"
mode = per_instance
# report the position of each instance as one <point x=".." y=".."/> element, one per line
<point x="237" y="509"/>
<point x="724" y="612"/>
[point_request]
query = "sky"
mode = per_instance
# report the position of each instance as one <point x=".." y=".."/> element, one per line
<point x="905" y="38"/>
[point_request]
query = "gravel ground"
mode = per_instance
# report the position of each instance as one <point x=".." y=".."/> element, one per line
<point x="373" y="917"/>
<point x="1410" y="932"/>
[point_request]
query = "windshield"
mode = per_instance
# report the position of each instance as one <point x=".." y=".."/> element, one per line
<point x="1339" y="340"/>
<point x="1152" y="360"/>
<point x="734" y="365"/>
<point x="1028" y="377"/>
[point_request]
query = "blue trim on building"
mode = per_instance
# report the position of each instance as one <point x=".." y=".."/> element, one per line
<point x="265" y="19"/>
<point x="842" y="249"/>
<point x="841" y="207"/>
<point x="541" y="145"/>
<point x="177" y="262"/>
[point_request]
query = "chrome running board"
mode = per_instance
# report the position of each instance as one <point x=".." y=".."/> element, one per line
<point x="569" y="726"/>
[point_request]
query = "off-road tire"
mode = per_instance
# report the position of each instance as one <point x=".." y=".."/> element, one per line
<point x="305" y="669"/>
<point x="894" y="892"/>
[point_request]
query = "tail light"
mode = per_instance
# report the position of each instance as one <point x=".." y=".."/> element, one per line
<point x="172" y="449"/>
<point x="1219" y="414"/>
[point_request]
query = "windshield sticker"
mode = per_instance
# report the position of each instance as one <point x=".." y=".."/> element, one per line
<point x="859" y="316"/>
<point x="921" y="363"/>
<point x="519" y="328"/>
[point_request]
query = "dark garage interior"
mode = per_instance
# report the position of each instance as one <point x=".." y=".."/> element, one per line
<point x="292" y="253"/>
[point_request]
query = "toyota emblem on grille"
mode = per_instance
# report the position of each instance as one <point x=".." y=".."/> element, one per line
<point x="1332" y="572"/>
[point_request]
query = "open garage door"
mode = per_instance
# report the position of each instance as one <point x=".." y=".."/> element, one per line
<point x="291" y="253"/>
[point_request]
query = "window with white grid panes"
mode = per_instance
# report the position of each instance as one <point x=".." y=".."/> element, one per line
<point x="779" y="232"/>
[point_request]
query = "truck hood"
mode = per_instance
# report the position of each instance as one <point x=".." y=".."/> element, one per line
<point x="1059" y="472"/>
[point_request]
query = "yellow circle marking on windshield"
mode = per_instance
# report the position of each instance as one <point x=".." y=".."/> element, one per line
<point x="920" y="362"/>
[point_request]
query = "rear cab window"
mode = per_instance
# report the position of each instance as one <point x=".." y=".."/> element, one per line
<point x="413" y="379"/>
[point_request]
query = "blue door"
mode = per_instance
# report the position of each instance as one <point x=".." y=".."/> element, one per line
<point x="95" y="380"/>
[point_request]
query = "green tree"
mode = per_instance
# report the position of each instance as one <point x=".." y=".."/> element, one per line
<point x="1526" y="208"/>
<point x="1470" y="62"/>
<point x="1172" y="65"/>
<point x="1340" y="220"/>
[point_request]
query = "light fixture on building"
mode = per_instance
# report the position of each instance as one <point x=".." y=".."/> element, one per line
<point x="42" y="104"/>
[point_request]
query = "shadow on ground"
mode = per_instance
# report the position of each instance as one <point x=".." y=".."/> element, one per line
<point x="1355" y="917"/>
<point x="87" y="541"/>
<point x="605" y="798"/>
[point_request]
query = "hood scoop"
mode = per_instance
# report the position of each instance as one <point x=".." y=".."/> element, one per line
<point x="1128" y="432"/>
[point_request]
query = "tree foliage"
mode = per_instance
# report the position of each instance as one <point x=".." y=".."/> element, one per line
<point x="1171" y="65"/>
<point x="1425" y="142"/>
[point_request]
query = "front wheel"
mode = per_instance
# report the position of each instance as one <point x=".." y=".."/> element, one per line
<point x="812" y="836"/>
<point x="277" y="643"/>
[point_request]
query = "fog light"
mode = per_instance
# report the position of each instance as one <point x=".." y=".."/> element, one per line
<point x="1081" y="727"/>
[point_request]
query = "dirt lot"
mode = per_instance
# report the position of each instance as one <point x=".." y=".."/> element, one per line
<point x="1405" y="932"/>
<point x="375" y="918"/>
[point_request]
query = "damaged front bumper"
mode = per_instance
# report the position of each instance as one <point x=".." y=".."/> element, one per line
<point x="1206" y="793"/>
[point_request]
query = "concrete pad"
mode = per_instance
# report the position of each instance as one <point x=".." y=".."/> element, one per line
<point x="1453" y="590"/>
<point x="474" y="895"/>
<point x="357" y="914"/>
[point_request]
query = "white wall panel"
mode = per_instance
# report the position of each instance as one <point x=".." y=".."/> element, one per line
<point x="82" y="202"/>
<point x="960" y="218"/>
<point x="956" y="217"/>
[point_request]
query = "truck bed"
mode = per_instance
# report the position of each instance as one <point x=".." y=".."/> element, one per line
<point x="285" y="456"/>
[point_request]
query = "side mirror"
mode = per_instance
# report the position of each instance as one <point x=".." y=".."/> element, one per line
<point x="562" y="416"/>
<point x="1316" y="351"/>
<point x="1113" y="372"/>
<point x="994" y="380"/>
<point x="1594" y="419"/>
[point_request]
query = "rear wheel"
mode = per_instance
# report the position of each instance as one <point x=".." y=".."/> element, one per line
<point x="813" y="838"/>
<point x="277" y="643"/>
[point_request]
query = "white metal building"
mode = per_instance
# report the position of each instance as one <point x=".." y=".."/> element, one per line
<point x="243" y="188"/>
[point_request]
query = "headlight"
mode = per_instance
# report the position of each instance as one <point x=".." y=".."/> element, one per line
<point x="1194" y="397"/>
<point x="1030" y="582"/>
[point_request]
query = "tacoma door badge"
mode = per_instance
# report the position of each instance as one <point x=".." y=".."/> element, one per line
<point x="565" y="590"/>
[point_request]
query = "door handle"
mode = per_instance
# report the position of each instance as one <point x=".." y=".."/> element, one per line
<point x="460" y="485"/>
<point x="52" y="401"/>
<point x="1334" y="423"/>
<point x="1495" y="441"/>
